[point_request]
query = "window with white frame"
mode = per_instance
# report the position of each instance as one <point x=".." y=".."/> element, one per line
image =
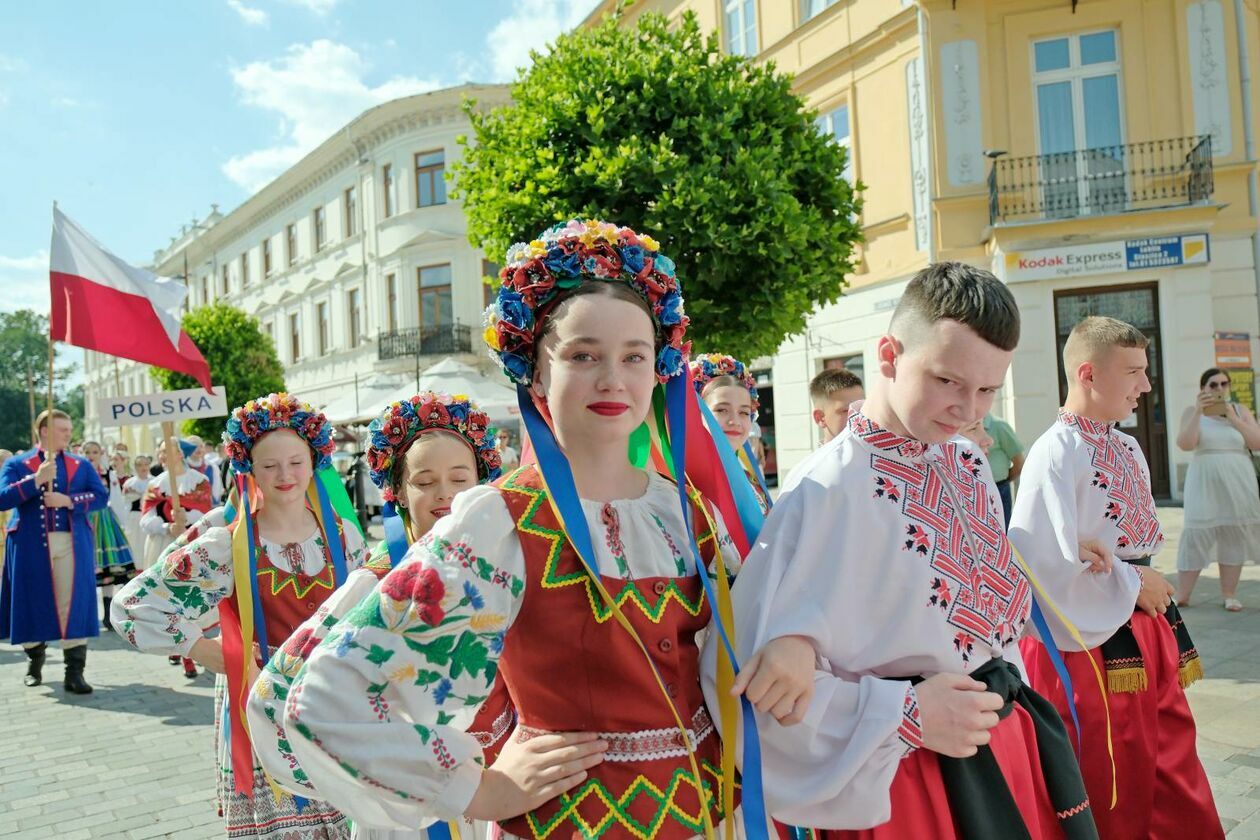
<point x="809" y="8"/>
<point x="834" y="124"/>
<point x="1080" y="124"/>
<point x="741" y="27"/>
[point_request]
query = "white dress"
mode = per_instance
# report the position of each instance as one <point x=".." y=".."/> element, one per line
<point x="1222" y="510"/>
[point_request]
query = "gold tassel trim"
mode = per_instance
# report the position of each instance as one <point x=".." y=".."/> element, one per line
<point x="1190" y="673"/>
<point x="1126" y="680"/>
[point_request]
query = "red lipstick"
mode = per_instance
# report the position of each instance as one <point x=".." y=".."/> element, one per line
<point x="608" y="409"/>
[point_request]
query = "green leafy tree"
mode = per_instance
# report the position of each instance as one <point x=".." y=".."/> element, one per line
<point x="712" y="155"/>
<point x="241" y="356"/>
<point x="23" y="353"/>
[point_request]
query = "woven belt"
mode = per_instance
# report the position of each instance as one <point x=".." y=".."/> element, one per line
<point x="644" y="744"/>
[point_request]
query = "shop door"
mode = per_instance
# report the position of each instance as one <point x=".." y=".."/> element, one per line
<point x="1139" y="306"/>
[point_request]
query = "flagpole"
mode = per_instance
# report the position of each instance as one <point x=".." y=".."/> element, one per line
<point x="30" y="396"/>
<point x="51" y="350"/>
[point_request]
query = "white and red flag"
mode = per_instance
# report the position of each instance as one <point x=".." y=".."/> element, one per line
<point x="101" y="303"/>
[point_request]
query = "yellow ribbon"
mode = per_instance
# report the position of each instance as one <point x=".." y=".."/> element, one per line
<point x="1076" y="637"/>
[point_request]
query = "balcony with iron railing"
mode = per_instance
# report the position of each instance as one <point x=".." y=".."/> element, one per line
<point x="1150" y="175"/>
<point x="424" y="341"/>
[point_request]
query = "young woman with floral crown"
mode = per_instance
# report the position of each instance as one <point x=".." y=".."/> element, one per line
<point x="730" y="392"/>
<point x="283" y="553"/>
<point x="575" y="578"/>
<point x="422" y="452"/>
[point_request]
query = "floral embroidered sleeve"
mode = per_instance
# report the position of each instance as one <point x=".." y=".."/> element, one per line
<point x="265" y="708"/>
<point x="377" y="718"/>
<point x="163" y="609"/>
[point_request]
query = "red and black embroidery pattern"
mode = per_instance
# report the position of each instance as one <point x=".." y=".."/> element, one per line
<point x="952" y="521"/>
<point x="1119" y="475"/>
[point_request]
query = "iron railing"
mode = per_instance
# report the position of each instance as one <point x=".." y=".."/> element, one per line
<point x="424" y="341"/>
<point x="1101" y="181"/>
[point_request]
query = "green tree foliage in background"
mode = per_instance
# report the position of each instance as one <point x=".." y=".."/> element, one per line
<point x="23" y="351"/>
<point x="242" y="358"/>
<point x="712" y="155"/>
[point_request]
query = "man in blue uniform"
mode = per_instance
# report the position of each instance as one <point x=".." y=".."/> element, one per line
<point x="49" y="586"/>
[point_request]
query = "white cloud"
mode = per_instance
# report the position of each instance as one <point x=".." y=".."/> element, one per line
<point x="25" y="282"/>
<point x="251" y="16"/>
<point x="319" y="7"/>
<point x="315" y="89"/>
<point x="532" y="25"/>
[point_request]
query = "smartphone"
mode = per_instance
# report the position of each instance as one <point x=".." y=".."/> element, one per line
<point x="1219" y="408"/>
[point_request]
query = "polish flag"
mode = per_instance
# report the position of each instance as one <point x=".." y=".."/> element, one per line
<point x="101" y="303"/>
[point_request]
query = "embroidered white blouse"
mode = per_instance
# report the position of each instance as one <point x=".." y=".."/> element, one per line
<point x="165" y="608"/>
<point x="1085" y="480"/>
<point x="891" y="557"/>
<point x="377" y="718"/>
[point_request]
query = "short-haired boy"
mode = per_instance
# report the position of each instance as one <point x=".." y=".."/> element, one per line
<point x="887" y="552"/>
<point x="831" y="393"/>
<point x="1086" y="483"/>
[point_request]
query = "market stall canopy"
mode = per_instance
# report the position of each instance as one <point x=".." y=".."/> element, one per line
<point x="366" y="400"/>
<point x="492" y="394"/>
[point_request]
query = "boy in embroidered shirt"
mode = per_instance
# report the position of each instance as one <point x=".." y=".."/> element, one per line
<point x="887" y="552"/>
<point x="1086" y="482"/>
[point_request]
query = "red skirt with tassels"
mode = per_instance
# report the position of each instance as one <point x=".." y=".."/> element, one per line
<point x="1161" y="785"/>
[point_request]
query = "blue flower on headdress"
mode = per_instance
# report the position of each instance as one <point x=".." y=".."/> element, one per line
<point x="668" y="361"/>
<point x="663" y="264"/>
<point x="512" y="308"/>
<point x="517" y="365"/>
<point x="633" y="258"/>
<point x="671" y="309"/>
<point x="458" y="411"/>
<point x="562" y="264"/>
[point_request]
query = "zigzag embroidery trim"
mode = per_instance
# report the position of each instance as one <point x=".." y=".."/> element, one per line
<point x="630" y="593"/>
<point x="618" y="809"/>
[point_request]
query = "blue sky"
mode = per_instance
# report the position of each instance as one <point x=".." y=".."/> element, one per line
<point x="136" y="115"/>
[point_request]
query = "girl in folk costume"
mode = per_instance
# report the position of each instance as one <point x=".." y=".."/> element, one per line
<point x="730" y="392"/>
<point x="160" y="520"/>
<point x="114" y="562"/>
<point x="574" y="578"/>
<point x="163" y="521"/>
<point x="134" y="487"/>
<point x="422" y="453"/>
<point x="283" y="553"/>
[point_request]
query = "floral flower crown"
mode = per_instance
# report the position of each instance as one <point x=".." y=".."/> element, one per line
<point x="709" y="366"/>
<point x="564" y="257"/>
<point x="267" y="414"/>
<point x="402" y="422"/>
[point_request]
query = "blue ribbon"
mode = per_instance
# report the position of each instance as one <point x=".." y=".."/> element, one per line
<point x="395" y="534"/>
<point x="1060" y="667"/>
<point x="753" y="801"/>
<point x="559" y="481"/>
<point x="439" y="831"/>
<point x="746" y="504"/>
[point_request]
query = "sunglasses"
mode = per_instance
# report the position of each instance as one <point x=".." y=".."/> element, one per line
<point x="1217" y="385"/>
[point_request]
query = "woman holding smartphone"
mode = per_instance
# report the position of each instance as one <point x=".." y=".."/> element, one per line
<point x="1222" y="504"/>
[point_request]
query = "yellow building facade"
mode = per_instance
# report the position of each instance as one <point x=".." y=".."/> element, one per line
<point x="1097" y="155"/>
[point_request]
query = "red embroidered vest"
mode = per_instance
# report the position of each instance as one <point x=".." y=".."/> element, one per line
<point x="289" y="598"/>
<point x="571" y="667"/>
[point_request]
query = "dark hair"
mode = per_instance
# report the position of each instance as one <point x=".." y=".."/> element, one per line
<point x="831" y="380"/>
<point x="1208" y="374"/>
<point x="612" y="289"/>
<point x="959" y="292"/>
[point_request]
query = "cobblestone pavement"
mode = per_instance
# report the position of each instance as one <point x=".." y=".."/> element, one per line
<point x="134" y="760"/>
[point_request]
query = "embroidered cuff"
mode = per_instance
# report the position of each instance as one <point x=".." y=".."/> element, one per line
<point x="26" y="486"/>
<point x="84" y="499"/>
<point x="910" y="732"/>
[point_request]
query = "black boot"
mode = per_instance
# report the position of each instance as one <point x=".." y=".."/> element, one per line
<point x="76" y="658"/>
<point x="105" y="620"/>
<point x="35" y="670"/>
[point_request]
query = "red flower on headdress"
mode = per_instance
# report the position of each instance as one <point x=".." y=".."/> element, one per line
<point x="377" y="458"/>
<point x="433" y="413"/>
<point x="395" y="429"/>
<point x="249" y="425"/>
<point x="281" y="411"/>
<point x="492" y="458"/>
<point x="421" y="586"/>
